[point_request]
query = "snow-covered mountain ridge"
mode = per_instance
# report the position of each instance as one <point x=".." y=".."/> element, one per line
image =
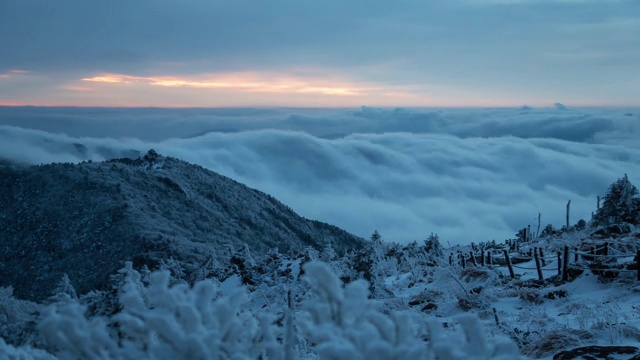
<point x="85" y="219"/>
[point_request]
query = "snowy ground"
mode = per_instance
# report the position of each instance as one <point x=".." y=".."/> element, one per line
<point x="301" y="308"/>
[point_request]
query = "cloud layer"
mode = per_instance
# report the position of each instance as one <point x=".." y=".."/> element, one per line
<point x="469" y="175"/>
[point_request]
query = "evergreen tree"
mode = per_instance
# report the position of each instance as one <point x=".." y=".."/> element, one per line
<point x="367" y="263"/>
<point x="64" y="289"/>
<point x="549" y="230"/>
<point x="433" y="247"/>
<point x="580" y="225"/>
<point x="620" y="205"/>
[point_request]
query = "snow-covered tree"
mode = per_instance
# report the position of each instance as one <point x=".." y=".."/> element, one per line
<point x="376" y="236"/>
<point x="367" y="264"/>
<point x="433" y="247"/>
<point x="64" y="290"/>
<point x="621" y="205"/>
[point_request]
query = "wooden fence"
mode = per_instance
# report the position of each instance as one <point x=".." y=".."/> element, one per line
<point x="595" y="259"/>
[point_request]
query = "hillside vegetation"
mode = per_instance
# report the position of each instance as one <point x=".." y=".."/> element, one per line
<point x="85" y="219"/>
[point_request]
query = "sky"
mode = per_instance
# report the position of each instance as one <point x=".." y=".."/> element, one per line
<point x="330" y="53"/>
<point x="469" y="175"/>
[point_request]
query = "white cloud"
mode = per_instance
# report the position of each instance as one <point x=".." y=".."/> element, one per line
<point x="459" y="173"/>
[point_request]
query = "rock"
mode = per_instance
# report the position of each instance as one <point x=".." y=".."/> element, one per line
<point x="429" y="307"/>
<point x="605" y="270"/>
<point x="599" y="353"/>
<point x="616" y="229"/>
<point x="574" y="272"/>
<point x="556" y="294"/>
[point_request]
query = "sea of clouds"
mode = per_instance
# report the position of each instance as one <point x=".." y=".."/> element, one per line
<point x="466" y="174"/>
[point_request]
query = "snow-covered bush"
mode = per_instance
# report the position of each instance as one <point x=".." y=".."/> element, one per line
<point x="10" y="352"/>
<point x="156" y="322"/>
<point x="551" y="343"/>
<point x="165" y="320"/>
<point x="17" y="318"/>
<point x="621" y="204"/>
<point x="344" y="324"/>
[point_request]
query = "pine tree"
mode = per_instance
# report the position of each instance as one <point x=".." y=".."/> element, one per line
<point x="376" y="236"/>
<point x="620" y="205"/>
<point x="433" y="247"/>
<point x="65" y="288"/>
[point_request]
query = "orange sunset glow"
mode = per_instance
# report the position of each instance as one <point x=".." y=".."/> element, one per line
<point x="241" y="89"/>
<point x="253" y="82"/>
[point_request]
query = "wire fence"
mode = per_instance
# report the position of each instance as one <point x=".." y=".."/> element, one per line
<point x="532" y="268"/>
<point x="602" y="255"/>
<point x="563" y="261"/>
<point x="611" y="248"/>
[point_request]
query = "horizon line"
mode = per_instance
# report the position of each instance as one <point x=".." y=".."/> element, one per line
<point x="179" y="107"/>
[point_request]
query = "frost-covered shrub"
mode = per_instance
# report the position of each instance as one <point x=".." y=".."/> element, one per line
<point x="473" y="274"/>
<point x="472" y="287"/>
<point x="345" y="325"/>
<point x="10" y="352"/>
<point x="551" y="343"/>
<point x="17" y="318"/>
<point x="161" y="320"/>
<point x="531" y="296"/>
<point x="158" y="322"/>
<point x="473" y="345"/>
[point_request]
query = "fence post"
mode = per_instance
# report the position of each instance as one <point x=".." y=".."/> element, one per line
<point x="473" y="258"/>
<point x="451" y="259"/>
<point x="489" y="261"/>
<point x="506" y="256"/>
<point x="638" y="263"/>
<point x="606" y="248"/>
<point x="463" y="261"/>
<point x="482" y="258"/>
<point x="540" y="277"/>
<point x="544" y="263"/>
<point x="565" y="264"/>
<point x="576" y="256"/>
<point x="559" y="263"/>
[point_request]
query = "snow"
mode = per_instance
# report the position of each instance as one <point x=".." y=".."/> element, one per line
<point x="425" y="312"/>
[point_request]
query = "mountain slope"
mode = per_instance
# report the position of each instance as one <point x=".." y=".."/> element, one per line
<point x="85" y="219"/>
